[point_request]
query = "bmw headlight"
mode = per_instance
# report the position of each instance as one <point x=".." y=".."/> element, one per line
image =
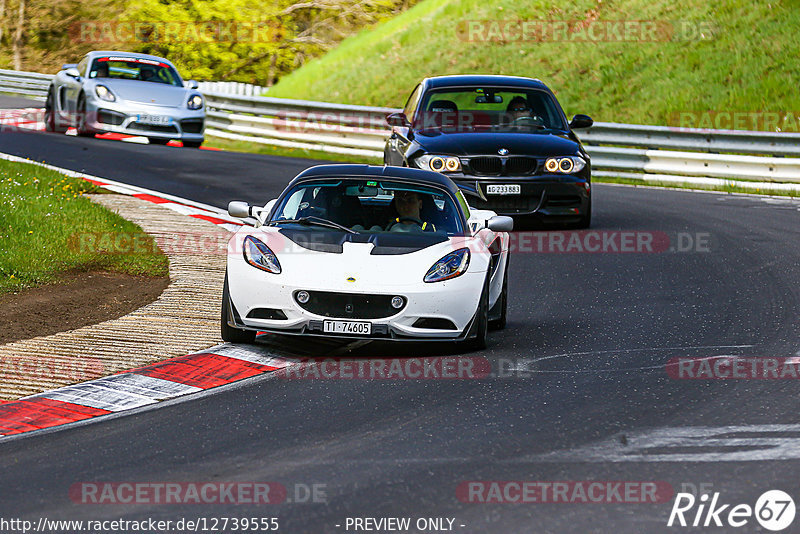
<point x="453" y="265"/>
<point x="565" y="165"/>
<point x="195" y="102"/>
<point x="257" y="254"/>
<point x="104" y="93"/>
<point x="436" y="163"/>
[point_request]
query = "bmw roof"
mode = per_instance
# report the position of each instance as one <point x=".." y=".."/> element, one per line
<point x="355" y="170"/>
<point x="461" y="80"/>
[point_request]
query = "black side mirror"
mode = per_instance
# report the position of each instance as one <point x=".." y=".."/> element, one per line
<point x="398" y="119"/>
<point x="580" y="122"/>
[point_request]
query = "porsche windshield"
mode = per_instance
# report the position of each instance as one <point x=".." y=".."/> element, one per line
<point x="506" y="109"/>
<point x="369" y="206"/>
<point x="146" y="70"/>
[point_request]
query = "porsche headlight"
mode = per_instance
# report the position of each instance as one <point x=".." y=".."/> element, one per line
<point x="565" y="165"/>
<point x="453" y="265"/>
<point x="104" y="93"/>
<point x="257" y="254"/>
<point x="436" y="163"/>
<point x="195" y="102"/>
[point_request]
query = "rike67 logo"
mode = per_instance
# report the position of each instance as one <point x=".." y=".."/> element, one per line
<point x="774" y="510"/>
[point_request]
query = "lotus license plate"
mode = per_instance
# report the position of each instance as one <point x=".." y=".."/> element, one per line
<point x="347" y="327"/>
<point x="504" y="189"/>
<point x="159" y="120"/>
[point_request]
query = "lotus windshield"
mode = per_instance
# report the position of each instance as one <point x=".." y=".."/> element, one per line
<point x="504" y="109"/>
<point x="369" y="206"/>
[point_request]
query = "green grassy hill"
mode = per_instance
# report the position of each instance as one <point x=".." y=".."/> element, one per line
<point x="746" y="63"/>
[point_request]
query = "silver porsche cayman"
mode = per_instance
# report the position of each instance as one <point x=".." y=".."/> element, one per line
<point x="126" y="93"/>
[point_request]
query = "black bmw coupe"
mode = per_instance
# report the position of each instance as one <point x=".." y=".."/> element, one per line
<point x="505" y="139"/>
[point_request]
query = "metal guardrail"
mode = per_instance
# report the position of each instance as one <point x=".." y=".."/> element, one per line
<point x="650" y="153"/>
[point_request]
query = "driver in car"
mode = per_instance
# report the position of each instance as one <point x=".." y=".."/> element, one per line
<point x="521" y="113"/>
<point x="408" y="206"/>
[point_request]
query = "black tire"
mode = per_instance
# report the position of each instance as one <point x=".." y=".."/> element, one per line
<point x="80" y="117"/>
<point x="50" y="115"/>
<point x="192" y="144"/>
<point x="502" y="302"/>
<point x="480" y="327"/>
<point x="230" y="334"/>
<point x="158" y="141"/>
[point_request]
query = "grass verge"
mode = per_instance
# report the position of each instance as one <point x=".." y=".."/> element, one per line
<point x="43" y="215"/>
<point x="258" y="148"/>
<point x="711" y="58"/>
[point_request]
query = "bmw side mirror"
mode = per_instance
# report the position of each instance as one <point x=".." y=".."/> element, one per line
<point x="73" y="72"/>
<point x="192" y="84"/>
<point x="581" y="121"/>
<point x="500" y="223"/>
<point x="238" y="208"/>
<point x="398" y="119"/>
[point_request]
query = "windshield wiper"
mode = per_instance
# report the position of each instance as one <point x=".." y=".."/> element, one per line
<point x="311" y="220"/>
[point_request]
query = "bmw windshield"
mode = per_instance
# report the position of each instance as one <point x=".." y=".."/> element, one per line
<point x="369" y="206"/>
<point x="505" y="109"/>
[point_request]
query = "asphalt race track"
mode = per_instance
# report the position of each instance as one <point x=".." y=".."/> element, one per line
<point x="588" y="399"/>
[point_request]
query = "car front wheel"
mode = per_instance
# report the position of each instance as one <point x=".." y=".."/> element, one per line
<point x="229" y="333"/>
<point x="480" y="325"/>
<point x="50" y="114"/>
<point x="80" y="124"/>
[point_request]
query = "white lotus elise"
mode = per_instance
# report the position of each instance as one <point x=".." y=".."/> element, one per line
<point x="357" y="251"/>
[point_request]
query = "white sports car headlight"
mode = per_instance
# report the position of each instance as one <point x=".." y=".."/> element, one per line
<point x="259" y="255"/>
<point x="104" y="93"/>
<point x="195" y="102"/>
<point x="450" y="266"/>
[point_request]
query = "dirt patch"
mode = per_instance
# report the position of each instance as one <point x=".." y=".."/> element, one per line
<point x="78" y="300"/>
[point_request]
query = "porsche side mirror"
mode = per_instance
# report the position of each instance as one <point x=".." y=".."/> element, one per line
<point x="581" y="121"/>
<point x="72" y="72"/>
<point x="398" y="119"/>
<point x="500" y="223"/>
<point x="192" y="84"/>
<point x="238" y="208"/>
<point x="66" y="66"/>
<point x="269" y="205"/>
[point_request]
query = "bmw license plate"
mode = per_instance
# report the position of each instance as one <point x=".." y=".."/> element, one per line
<point x="504" y="189"/>
<point x="347" y="327"/>
<point x="159" y="120"/>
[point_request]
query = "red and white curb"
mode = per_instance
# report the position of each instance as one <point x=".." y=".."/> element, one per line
<point x="25" y="118"/>
<point x="150" y="384"/>
<point x="197" y="210"/>
<point x="138" y="387"/>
